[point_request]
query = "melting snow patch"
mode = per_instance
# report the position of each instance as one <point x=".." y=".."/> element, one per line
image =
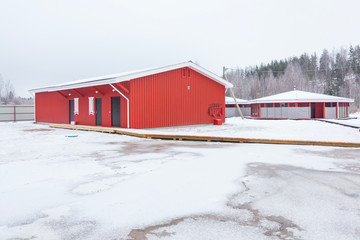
<point x="97" y="186"/>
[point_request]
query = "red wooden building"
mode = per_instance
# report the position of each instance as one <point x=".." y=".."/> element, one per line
<point x="180" y="94"/>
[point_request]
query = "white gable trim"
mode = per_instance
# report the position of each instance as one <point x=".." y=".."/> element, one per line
<point x="300" y="96"/>
<point x="121" y="77"/>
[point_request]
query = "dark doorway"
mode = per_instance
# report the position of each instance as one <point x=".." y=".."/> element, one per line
<point x="98" y="111"/>
<point x="317" y="110"/>
<point x="313" y="110"/>
<point x="71" y="110"/>
<point x="115" y="111"/>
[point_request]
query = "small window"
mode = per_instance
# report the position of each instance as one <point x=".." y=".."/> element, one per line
<point x="330" y="104"/>
<point x="277" y="105"/>
<point x="284" y="105"/>
<point x="262" y="105"/>
<point x="269" y="105"/>
<point x="291" y="104"/>
<point x="76" y="105"/>
<point x="303" y="104"/>
<point x="91" y="105"/>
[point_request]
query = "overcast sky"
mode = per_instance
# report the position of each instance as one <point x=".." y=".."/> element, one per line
<point x="49" y="42"/>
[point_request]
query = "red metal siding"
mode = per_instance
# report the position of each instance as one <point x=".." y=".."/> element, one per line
<point x="177" y="97"/>
<point x="53" y="107"/>
<point x="319" y="110"/>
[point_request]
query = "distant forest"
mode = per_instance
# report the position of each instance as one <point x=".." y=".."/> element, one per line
<point x="335" y="73"/>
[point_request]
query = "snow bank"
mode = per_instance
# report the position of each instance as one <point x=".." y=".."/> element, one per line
<point x="269" y="129"/>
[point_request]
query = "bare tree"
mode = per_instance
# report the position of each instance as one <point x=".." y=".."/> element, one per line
<point x="9" y="92"/>
<point x="1" y="87"/>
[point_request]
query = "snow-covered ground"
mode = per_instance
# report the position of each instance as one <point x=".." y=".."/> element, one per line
<point x="354" y="120"/>
<point x="65" y="184"/>
<point x="311" y="130"/>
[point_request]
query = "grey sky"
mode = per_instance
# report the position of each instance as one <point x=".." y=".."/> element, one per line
<point x="48" y="42"/>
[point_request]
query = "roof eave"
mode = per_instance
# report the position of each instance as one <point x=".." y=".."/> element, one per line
<point x="128" y="77"/>
<point x="302" y="100"/>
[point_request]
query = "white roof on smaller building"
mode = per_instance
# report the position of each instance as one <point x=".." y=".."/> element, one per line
<point x="300" y="96"/>
<point x="230" y="100"/>
<point x="127" y="76"/>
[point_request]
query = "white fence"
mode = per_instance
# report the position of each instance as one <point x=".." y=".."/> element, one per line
<point x="10" y="113"/>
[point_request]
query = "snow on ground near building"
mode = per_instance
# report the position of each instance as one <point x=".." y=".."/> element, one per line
<point x="66" y="184"/>
<point x="311" y="130"/>
<point x="354" y="120"/>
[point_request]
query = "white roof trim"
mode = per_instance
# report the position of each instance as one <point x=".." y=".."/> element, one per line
<point x="230" y="100"/>
<point x="122" y="77"/>
<point x="300" y="96"/>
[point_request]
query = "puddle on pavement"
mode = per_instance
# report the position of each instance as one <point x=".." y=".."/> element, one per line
<point x="163" y="145"/>
<point x="38" y="130"/>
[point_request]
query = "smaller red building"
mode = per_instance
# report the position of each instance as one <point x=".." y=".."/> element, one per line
<point x="300" y="105"/>
<point x="180" y="94"/>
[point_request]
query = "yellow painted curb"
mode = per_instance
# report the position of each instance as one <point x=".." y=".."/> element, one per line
<point x="204" y="138"/>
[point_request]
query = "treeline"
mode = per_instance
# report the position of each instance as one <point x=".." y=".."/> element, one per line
<point x="7" y="94"/>
<point x="335" y="73"/>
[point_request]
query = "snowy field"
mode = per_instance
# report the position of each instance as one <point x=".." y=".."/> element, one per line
<point x="354" y="120"/>
<point x="65" y="184"/>
<point x="311" y="130"/>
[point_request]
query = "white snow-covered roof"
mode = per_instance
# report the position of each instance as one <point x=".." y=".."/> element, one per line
<point x="300" y="96"/>
<point x="126" y="76"/>
<point x="230" y="100"/>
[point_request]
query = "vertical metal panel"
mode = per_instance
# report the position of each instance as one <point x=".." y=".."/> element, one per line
<point x="284" y="112"/>
<point x="16" y="113"/>
<point x="319" y="110"/>
<point x="164" y="99"/>
<point x="303" y="112"/>
<point x="330" y="112"/>
<point x="172" y="98"/>
<point x="271" y="112"/>
<point x="277" y="112"/>
<point x="263" y="112"/>
<point x="233" y="112"/>
<point x="52" y="107"/>
<point x="230" y="112"/>
<point x="244" y="110"/>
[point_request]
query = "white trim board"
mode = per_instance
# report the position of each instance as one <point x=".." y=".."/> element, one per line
<point x="127" y="76"/>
